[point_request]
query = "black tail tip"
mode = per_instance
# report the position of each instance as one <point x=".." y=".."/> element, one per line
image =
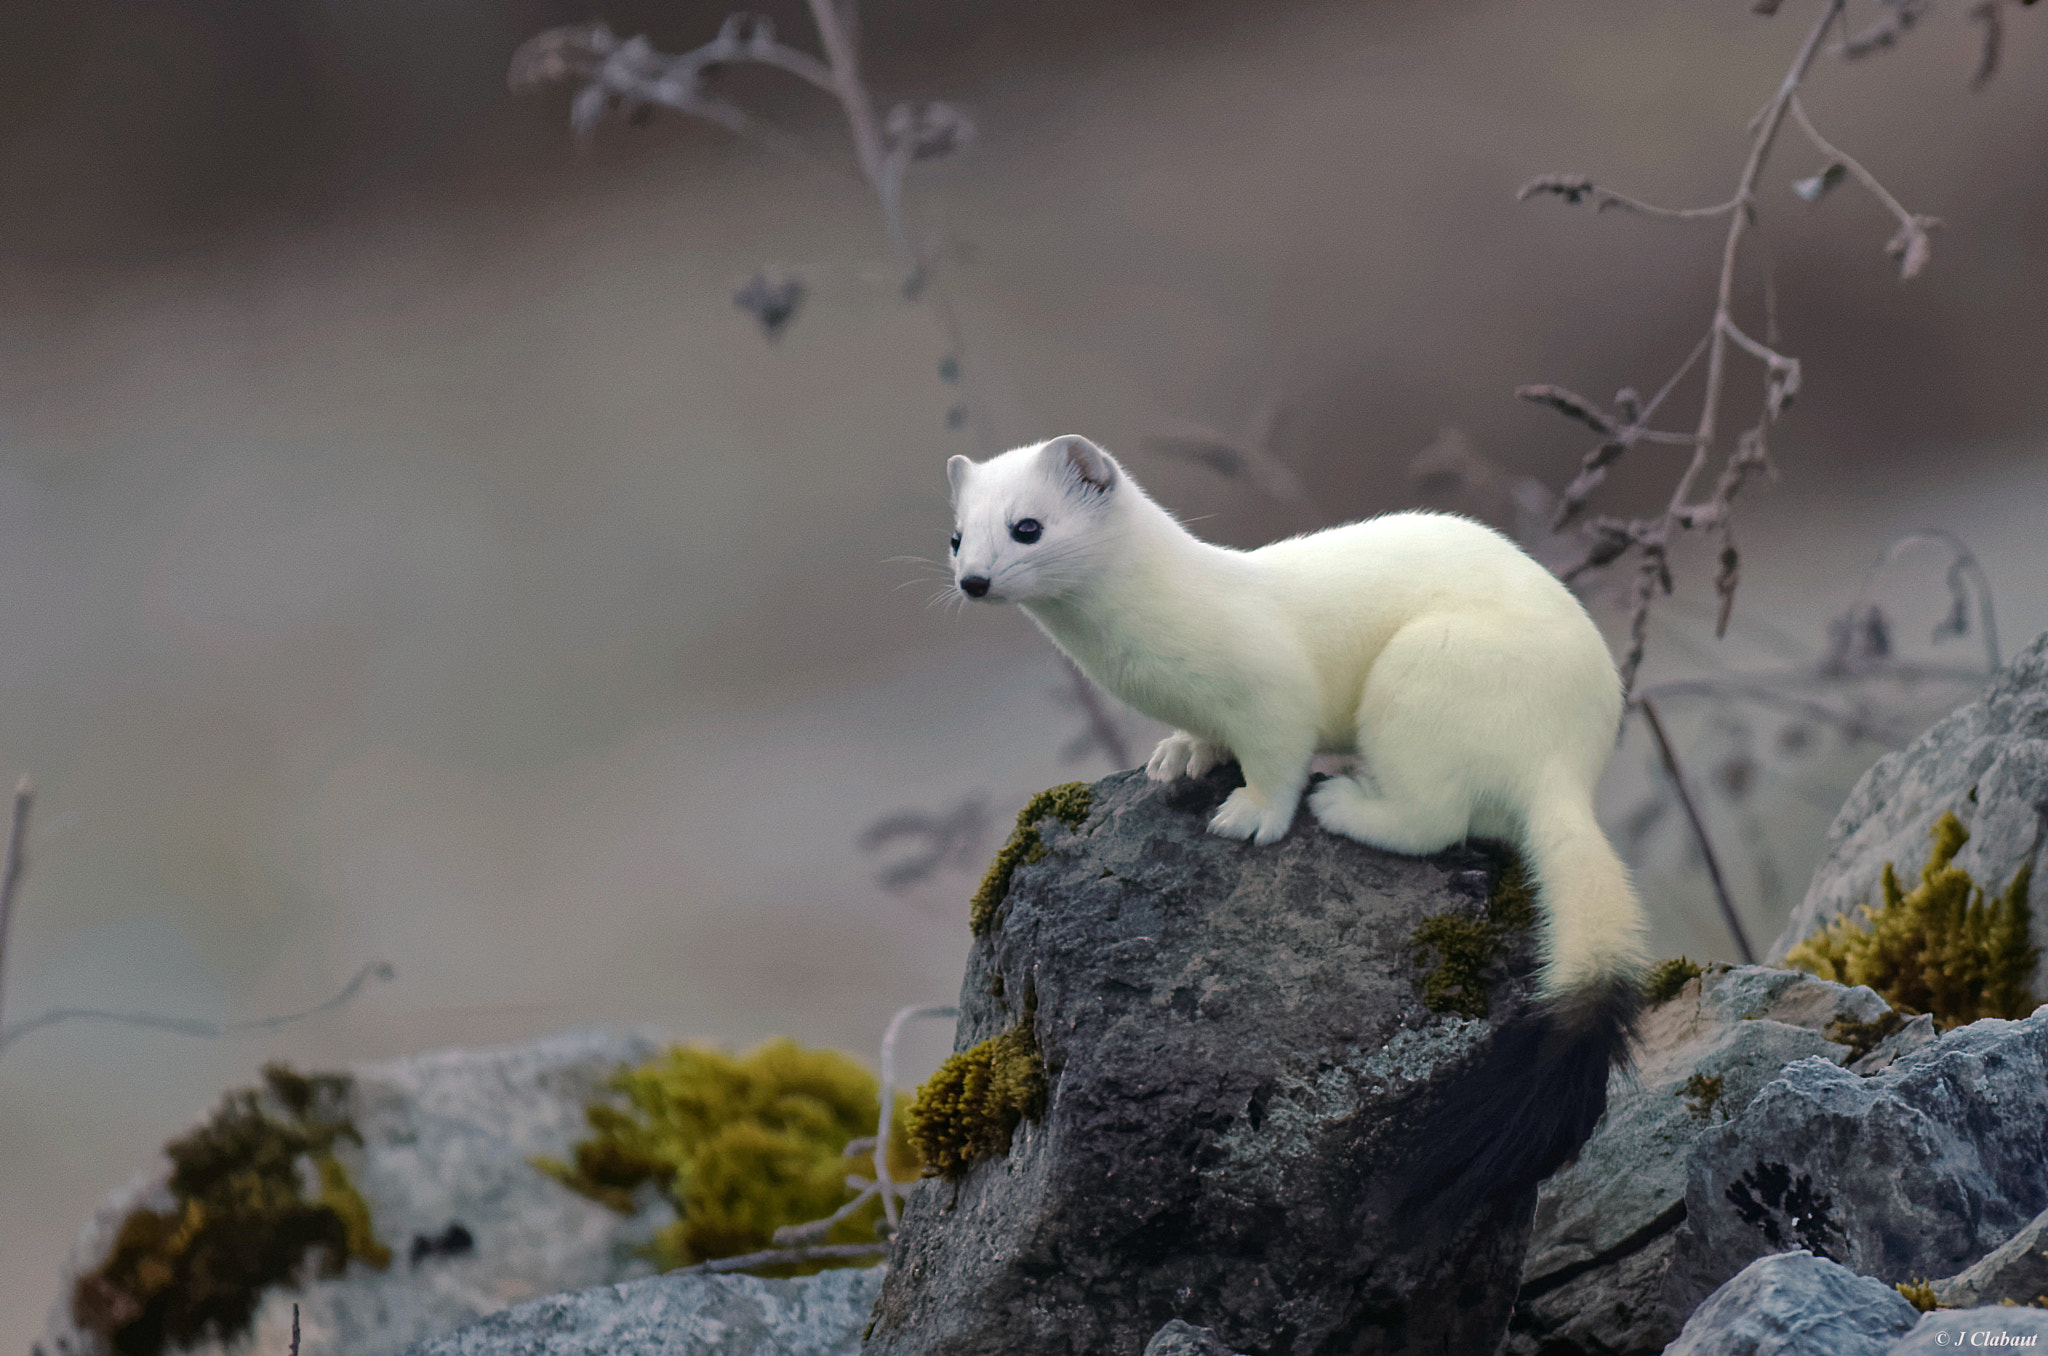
<point x="1521" y="1108"/>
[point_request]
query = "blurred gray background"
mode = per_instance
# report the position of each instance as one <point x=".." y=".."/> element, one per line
<point x="408" y="552"/>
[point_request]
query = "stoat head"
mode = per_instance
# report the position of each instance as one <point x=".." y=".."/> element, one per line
<point x="1032" y="523"/>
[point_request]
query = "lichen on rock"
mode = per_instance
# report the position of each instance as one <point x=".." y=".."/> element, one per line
<point x="971" y="1106"/>
<point x="240" y="1222"/>
<point x="1069" y="804"/>
<point x="1940" y="948"/>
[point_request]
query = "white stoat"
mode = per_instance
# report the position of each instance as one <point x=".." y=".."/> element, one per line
<point x="1478" y="694"/>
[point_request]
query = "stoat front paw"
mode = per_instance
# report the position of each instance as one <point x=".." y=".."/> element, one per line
<point x="1180" y="754"/>
<point x="1246" y="814"/>
<point x="1241" y="815"/>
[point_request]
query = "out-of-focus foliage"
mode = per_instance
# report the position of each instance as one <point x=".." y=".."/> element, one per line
<point x="1941" y="948"/>
<point x="241" y="1223"/>
<point x="739" y="1145"/>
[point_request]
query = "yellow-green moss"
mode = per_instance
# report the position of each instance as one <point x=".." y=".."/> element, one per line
<point x="1465" y="946"/>
<point x="1940" y="948"/>
<point x="1667" y="979"/>
<point x="1701" y="1093"/>
<point x="1069" y="804"/>
<point x="1919" y="1294"/>
<point x="241" y="1222"/>
<point x="740" y="1146"/>
<point x="968" y="1110"/>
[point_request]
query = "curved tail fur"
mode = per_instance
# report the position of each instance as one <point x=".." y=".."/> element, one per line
<point x="1525" y="1105"/>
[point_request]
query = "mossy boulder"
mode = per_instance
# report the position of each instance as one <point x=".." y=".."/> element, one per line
<point x="1236" y="1044"/>
<point x="240" y="1221"/>
<point x="436" y="1170"/>
<point x="1987" y="765"/>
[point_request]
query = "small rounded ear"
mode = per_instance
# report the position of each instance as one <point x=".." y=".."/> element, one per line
<point x="1072" y="452"/>
<point x="956" y="473"/>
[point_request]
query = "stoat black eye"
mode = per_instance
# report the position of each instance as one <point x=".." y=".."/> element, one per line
<point x="1026" y="530"/>
<point x="956" y="543"/>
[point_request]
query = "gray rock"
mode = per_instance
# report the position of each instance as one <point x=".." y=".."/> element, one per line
<point x="1604" y="1227"/>
<point x="681" y="1315"/>
<point x="1235" y="1043"/>
<point x="446" y="1139"/>
<point x="1178" y="1338"/>
<point x="1997" y="1327"/>
<point x="2015" y="1270"/>
<point x="1908" y="1038"/>
<point x="1797" y="1304"/>
<point x="1987" y="762"/>
<point x="1916" y="1171"/>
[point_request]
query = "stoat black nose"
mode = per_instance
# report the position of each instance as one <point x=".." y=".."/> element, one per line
<point x="974" y="585"/>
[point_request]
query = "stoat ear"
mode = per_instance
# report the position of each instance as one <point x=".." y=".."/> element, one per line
<point x="1071" y="453"/>
<point x="956" y="473"/>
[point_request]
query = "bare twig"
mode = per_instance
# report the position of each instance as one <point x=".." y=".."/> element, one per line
<point x="1669" y="758"/>
<point x="1577" y="188"/>
<point x="1991" y="14"/>
<point x="629" y="78"/>
<point x="295" y="1330"/>
<point x="188" y="1026"/>
<point x="1911" y="246"/>
<point x="1651" y="538"/>
<point x="10" y="873"/>
<point x="950" y="840"/>
<point x="888" y="1113"/>
<point x="770" y="1257"/>
<point x="1964" y="573"/>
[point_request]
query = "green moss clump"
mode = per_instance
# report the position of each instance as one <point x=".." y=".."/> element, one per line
<point x="1940" y="948"/>
<point x="241" y="1222"/>
<point x="740" y="1146"/>
<point x="968" y="1110"/>
<point x="1069" y="804"/>
<point x="1667" y="979"/>
<point x="1464" y="946"/>
<point x="1919" y="1294"/>
<point x="1701" y="1093"/>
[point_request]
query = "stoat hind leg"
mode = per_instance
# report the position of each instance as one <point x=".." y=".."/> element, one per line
<point x="1181" y="754"/>
<point x="1418" y="824"/>
<point x="1429" y="732"/>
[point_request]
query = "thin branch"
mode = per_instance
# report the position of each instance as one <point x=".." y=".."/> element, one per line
<point x="188" y="1026"/>
<point x="1577" y="188"/>
<point x="825" y="1252"/>
<point x="1910" y="246"/>
<point x="1610" y="539"/>
<point x="1963" y="564"/>
<point x="10" y="873"/>
<point x="888" y="1112"/>
<point x="1853" y="725"/>
<point x="1699" y="829"/>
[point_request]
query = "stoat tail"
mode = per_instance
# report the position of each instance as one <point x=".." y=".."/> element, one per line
<point x="1521" y="1110"/>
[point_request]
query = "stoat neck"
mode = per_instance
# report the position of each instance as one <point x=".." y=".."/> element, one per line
<point x="1125" y="613"/>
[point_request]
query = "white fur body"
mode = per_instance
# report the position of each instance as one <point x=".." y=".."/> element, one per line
<point x="1476" y="691"/>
